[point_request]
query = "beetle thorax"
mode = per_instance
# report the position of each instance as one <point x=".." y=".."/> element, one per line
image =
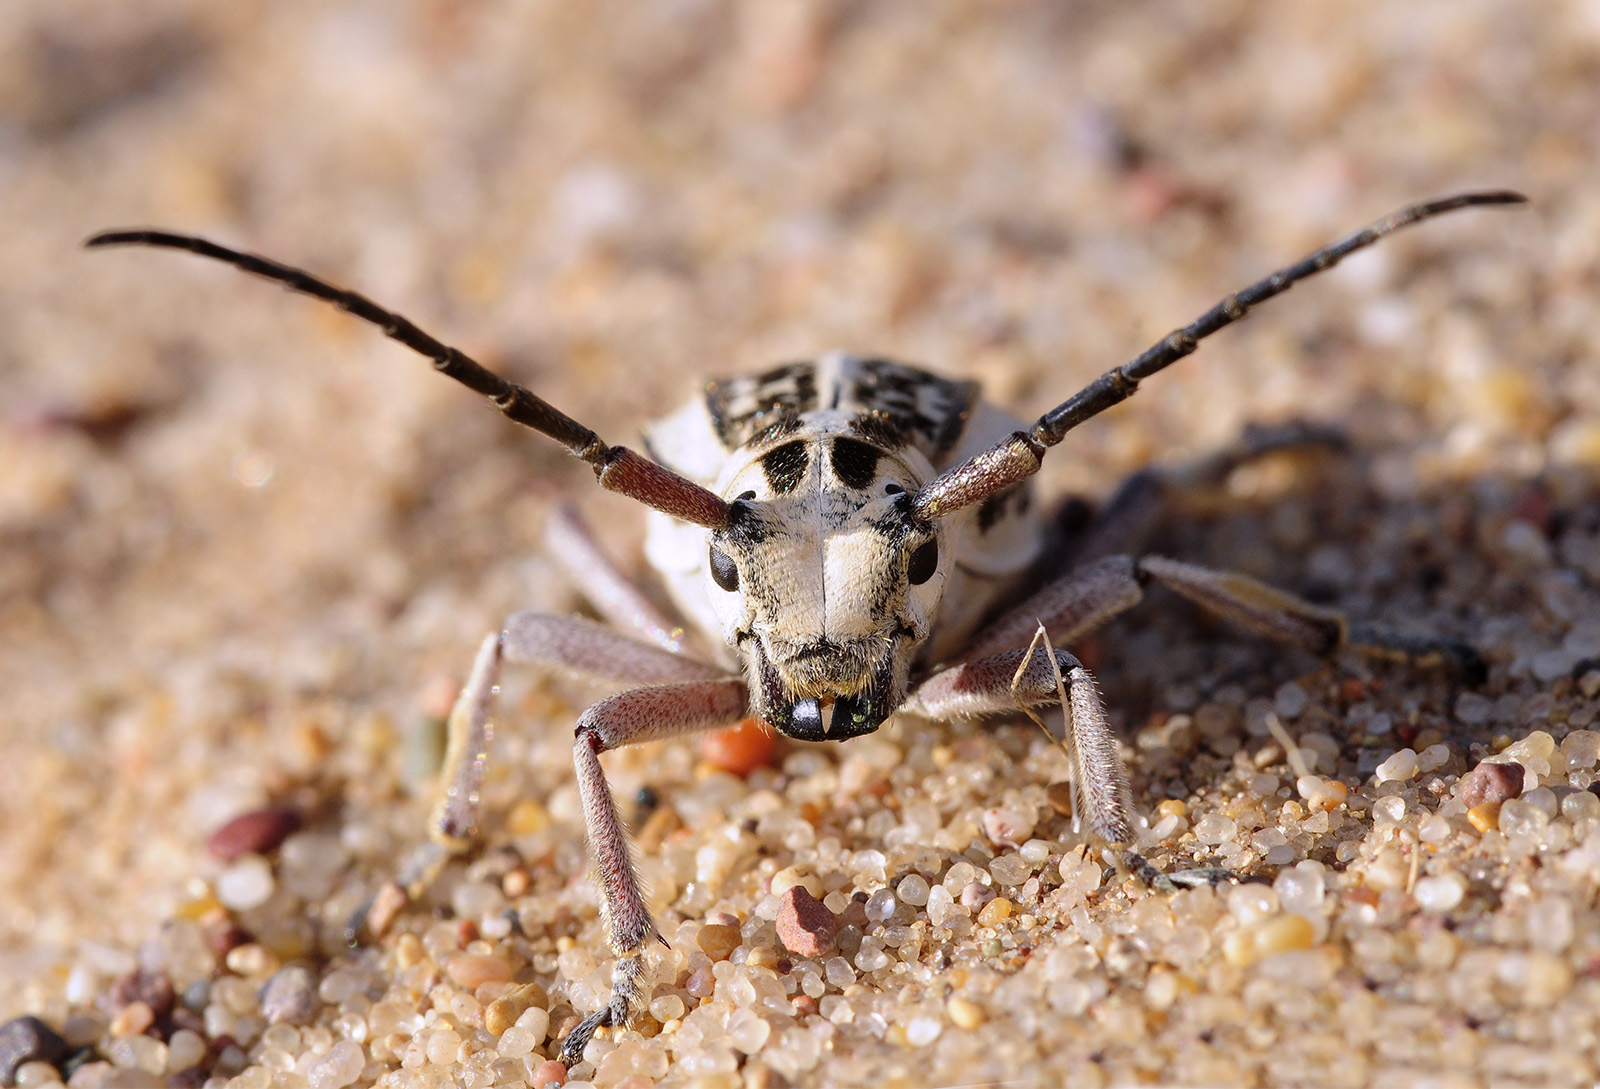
<point x="822" y="583"/>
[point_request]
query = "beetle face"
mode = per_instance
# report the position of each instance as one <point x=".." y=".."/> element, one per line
<point x="825" y="589"/>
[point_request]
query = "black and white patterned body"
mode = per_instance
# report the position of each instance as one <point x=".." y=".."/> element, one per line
<point x="821" y="458"/>
<point x="846" y="529"/>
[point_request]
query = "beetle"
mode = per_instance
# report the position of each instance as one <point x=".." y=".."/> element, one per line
<point x="856" y="537"/>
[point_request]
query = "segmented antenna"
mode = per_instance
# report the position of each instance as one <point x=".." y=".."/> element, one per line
<point x="618" y="468"/>
<point x="1019" y="456"/>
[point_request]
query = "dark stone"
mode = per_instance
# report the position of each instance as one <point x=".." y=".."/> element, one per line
<point x="154" y="989"/>
<point x="258" y="832"/>
<point x="26" y="1040"/>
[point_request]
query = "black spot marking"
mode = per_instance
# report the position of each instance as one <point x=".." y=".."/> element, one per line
<point x="785" y="466"/>
<point x="855" y="463"/>
<point x="881" y="430"/>
<point x="742" y="407"/>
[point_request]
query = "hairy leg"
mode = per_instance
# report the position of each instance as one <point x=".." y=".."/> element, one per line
<point x="551" y="642"/>
<point x="1075" y="605"/>
<point x="629" y="718"/>
<point x="1034" y="678"/>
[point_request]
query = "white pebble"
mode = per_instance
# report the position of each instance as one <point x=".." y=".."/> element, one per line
<point x="1251" y="903"/>
<point x="1290" y="701"/>
<point x="246" y="884"/>
<point x="880" y="905"/>
<point x="1582" y="748"/>
<point x="516" y="1042"/>
<point x="941" y="906"/>
<point x="1214" y="828"/>
<point x="1433" y="757"/>
<point x="1010" y="869"/>
<point x="1401" y="766"/>
<point x="913" y="890"/>
<point x="1301" y="889"/>
<point x="922" y="1031"/>
<point x="747" y="1032"/>
<point x="1440" y="893"/>
<point x="1008" y="826"/>
<point x="1390" y="810"/>
<point x="341" y="1066"/>
<point x="1036" y="851"/>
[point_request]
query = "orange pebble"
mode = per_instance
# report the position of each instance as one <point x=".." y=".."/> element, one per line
<point x="739" y="750"/>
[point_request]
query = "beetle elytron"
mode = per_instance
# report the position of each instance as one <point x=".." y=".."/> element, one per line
<point x="857" y="536"/>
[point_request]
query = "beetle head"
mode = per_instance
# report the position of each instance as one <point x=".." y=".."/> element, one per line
<point x="825" y="584"/>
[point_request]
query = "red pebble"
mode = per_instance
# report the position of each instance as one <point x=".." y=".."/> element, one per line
<point x="257" y="832"/>
<point x="805" y="925"/>
<point x="739" y="750"/>
<point x="1491" y="782"/>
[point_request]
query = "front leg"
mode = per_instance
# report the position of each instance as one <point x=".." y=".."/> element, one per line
<point x="559" y="643"/>
<point x="643" y="714"/>
<point x="1036" y="678"/>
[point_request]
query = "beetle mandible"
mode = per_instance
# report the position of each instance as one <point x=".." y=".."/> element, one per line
<point x="856" y="536"/>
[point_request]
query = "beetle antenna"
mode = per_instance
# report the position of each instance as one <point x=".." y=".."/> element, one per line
<point x="1019" y="456"/>
<point x="617" y="468"/>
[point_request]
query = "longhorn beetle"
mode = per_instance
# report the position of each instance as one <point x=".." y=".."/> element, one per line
<point x="857" y="536"/>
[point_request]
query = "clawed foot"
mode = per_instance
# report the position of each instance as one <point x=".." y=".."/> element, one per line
<point x="614" y="1012"/>
<point x="1199" y="877"/>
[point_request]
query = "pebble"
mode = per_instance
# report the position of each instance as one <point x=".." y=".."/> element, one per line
<point x="1278" y="934"/>
<point x="976" y="895"/>
<point x="508" y="1010"/>
<point x="805" y="925"/>
<point x="387" y="903"/>
<point x="28" y="1039"/>
<point x="1484" y="816"/>
<point x="289" y="998"/>
<point x="1490" y="782"/>
<point x="131" y="1020"/>
<point x="1400" y="767"/>
<point x="719" y="940"/>
<point x="1439" y="893"/>
<point x="913" y="890"/>
<point x="1008" y="826"/>
<point x="548" y="1073"/>
<point x="256" y="832"/>
<point x="246" y="884"/>
<point x="154" y="989"/>
<point x="739" y="750"/>
<point x="995" y="912"/>
<point x="965" y="1013"/>
<point x="340" y="1066"/>
<point x="790" y="876"/>
<point x="469" y="971"/>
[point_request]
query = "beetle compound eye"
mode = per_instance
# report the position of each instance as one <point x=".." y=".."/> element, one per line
<point x="924" y="562"/>
<point x="723" y="571"/>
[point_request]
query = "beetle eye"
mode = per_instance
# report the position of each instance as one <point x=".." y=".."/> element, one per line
<point x="723" y="571"/>
<point x="923" y="563"/>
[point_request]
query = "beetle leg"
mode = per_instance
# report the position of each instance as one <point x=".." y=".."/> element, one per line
<point x="570" y="542"/>
<point x="551" y="642"/>
<point x="1075" y="605"/>
<point x="1124" y="521"/>
<point x="1037" y="678"/>
<point x="628" y="718"/>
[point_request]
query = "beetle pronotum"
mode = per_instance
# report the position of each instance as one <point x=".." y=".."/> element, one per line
<point x="856" y="536"/>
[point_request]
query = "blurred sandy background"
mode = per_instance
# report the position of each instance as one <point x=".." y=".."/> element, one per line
<point x="235" y="527"/>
